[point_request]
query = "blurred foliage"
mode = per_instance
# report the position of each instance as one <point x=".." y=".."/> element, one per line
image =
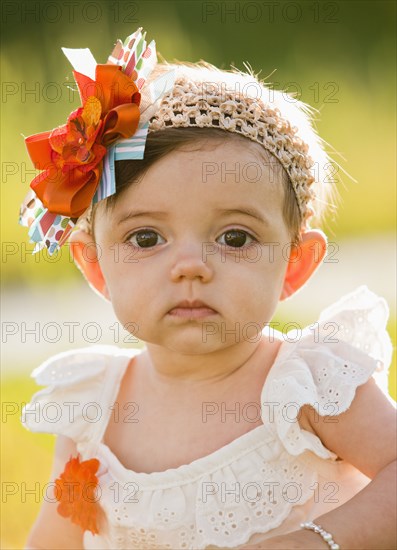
<point x="338" y="56"/>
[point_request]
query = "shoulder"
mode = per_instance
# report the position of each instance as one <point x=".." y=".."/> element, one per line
<point x="76" y="365"/>
<point x="364" y="434"/>
<point x="78" y="384"/>
<point x="320" y="374"/>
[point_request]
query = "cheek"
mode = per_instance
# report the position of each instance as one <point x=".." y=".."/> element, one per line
<point x="118" y="275"/>
<point x="127" y="297"/>
<point x="256" y="285"/>
<point x="263" y="265"/>
<point x="129" y="285"/>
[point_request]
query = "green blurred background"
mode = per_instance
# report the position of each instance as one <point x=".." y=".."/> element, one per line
<point x="338" y="56"/>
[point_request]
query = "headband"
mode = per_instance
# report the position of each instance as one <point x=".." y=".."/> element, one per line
<point x="201" y="104"/>
<point x="120" y="106"/>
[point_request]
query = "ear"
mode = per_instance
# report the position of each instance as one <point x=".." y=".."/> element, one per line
<point x="304" y="259"/>
<point x="85" y="255"/>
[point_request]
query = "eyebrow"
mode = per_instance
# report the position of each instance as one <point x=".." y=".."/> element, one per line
<point x="139" y="213"/>
<point x="245" y="210"/>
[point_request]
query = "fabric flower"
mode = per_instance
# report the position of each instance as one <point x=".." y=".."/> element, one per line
<point x="72" y="155"/>
<point x="77" y="159"/>
<point x="75" y="490"/>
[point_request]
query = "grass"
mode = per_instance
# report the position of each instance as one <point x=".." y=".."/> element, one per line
<point x="26" y="460"/>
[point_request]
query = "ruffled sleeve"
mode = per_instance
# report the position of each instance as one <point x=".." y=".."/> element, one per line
<point x="73" y="403"/>
<point x="325" y="365"/>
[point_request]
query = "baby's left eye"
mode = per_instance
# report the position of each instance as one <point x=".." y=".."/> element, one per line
<point x="236" y="238"/>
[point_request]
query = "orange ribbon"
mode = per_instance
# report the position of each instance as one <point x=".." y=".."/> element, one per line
<point x="71" y="156"/>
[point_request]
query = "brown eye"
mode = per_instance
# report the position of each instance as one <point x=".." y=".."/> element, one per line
<point x="145" y="238"/>
<point x="236" y="238"/>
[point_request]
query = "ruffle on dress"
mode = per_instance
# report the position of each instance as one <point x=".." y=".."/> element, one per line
<point x="334" y="356"/>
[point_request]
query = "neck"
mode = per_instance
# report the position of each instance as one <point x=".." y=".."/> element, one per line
<point x="169" y="369"/>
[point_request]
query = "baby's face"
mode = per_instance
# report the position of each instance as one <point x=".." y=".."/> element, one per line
<point x="183" y="233"/>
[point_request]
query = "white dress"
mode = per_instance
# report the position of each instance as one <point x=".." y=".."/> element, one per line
<point x="260" y="485"/>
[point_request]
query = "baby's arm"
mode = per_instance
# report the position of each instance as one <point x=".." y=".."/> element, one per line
<point x="50" y="530"/>
<point x="365" y="436"/>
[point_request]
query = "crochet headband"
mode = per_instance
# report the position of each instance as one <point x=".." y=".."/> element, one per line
<point x="120" y="105"/>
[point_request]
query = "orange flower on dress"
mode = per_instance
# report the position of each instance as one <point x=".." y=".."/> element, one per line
<point x="75" y="489"/>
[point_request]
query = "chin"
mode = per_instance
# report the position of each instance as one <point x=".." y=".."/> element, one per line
<point x="191" y="344"/>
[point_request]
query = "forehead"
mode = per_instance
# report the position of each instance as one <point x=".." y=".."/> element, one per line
<point x="199" y="179"/>
<point x="211" y="170"/>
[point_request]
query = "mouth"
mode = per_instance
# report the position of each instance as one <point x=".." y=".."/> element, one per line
<point x="192" y="310"/>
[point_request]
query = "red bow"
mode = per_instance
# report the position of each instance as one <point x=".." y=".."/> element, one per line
<point x="72" y="155"/>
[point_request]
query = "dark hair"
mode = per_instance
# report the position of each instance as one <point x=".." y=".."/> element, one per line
<point x="159" y="144"/>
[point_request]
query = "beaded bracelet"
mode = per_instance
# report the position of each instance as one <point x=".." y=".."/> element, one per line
<point x="324" y="534"/>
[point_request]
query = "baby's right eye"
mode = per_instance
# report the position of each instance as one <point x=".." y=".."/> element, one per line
<point x="144" y="238"/>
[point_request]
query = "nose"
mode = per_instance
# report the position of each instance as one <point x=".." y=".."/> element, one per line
<point x="190" y="263"/>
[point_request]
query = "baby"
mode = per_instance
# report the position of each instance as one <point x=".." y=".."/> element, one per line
<point x="188" y="196"/>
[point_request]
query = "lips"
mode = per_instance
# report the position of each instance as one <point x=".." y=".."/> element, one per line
<point x="194" y="304"/>
<point x="192" y="309"/>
